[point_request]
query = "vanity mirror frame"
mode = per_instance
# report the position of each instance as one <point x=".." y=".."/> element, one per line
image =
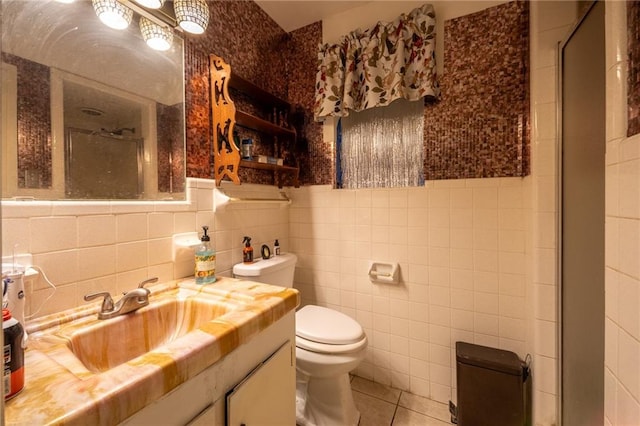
<point x="164" y="178"/>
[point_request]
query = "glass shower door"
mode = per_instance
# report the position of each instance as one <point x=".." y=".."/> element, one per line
<point x="103" y="165"/>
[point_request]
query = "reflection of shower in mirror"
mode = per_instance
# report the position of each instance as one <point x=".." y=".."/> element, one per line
<point x="119" y="131"/>
<point x="100" y="165"/>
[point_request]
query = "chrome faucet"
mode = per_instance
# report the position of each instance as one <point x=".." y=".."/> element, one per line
<point x="131" y="301"/>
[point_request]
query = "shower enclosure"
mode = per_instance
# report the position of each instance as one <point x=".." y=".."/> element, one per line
<point x="105" y="164"/>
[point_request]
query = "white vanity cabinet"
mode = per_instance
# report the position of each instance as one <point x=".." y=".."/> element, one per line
<point x="254" y="384"/>
<point x="264" y="397"/>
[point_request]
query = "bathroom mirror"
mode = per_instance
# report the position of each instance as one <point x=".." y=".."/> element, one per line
<point x="88" y="112"/>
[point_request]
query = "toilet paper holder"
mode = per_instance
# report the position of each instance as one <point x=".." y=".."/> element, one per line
<point x="384" y="272"/>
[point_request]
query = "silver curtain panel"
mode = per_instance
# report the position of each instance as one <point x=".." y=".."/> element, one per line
<point x="383" y="147"/>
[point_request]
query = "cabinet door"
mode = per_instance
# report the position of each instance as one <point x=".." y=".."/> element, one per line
<point x="213" y="415"/>
<point x="267" y="396"/>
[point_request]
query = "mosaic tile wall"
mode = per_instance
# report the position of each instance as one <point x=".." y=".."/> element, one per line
<point x="315" y="155"/>
<point x="34" y="123"/>
<point x="633" y="82"/>
<point x="170" y="148"/>
<point x="282" y="64"/>
<point x="480" y="128"/>
<point x="244" y="35"/>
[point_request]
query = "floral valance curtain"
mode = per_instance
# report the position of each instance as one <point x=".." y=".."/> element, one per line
<point x="372" y="68"/>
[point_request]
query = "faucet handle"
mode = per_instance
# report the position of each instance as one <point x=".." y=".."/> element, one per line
<point x="148" y="281"/>
<point x="107" y="302"/>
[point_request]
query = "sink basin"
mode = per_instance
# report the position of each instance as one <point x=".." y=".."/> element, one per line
<point x="105" y="344"/>
<point x="83" y="370"/>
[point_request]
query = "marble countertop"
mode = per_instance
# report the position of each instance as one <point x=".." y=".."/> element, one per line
<point x="60" y="390"/>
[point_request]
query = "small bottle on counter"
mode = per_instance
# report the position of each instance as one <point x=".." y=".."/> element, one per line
<point x="247" y="251"/>
<point x="13" y="364"/>
<point x="276" y="248"/>
<point x="205" y="260"/>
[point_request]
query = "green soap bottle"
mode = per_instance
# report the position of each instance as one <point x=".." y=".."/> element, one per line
<point x="205" y="260"/>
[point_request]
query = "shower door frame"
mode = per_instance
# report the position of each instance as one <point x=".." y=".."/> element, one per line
<point x="560" y="212"/>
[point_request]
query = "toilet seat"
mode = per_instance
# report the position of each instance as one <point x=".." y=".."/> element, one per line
<point x="324" y="330"/>
<point x="327" y="348"/>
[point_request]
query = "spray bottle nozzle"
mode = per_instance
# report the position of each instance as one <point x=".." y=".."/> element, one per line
<point x="247" y="241"/>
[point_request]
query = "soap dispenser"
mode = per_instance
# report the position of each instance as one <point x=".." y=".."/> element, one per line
<point x="247" y="251"/>
<point x="276" y="248"/>
<point x="205" y="260"/>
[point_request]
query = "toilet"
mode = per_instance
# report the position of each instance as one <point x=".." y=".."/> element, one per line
<point x="329" y="344"/>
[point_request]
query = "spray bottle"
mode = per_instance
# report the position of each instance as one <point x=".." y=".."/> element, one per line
<point x="247" y="251"/>
<point x="13" y="360"/>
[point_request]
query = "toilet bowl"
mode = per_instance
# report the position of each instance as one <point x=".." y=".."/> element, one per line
<point x="329" y="344"/>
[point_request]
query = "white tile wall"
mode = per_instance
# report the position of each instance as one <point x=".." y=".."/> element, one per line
<point x="95" y="246"/>
<point x="622" y="247"/>
<point x="463" y="271"/>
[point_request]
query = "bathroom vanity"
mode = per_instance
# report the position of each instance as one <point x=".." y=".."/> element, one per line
<point x="229" y="351"/>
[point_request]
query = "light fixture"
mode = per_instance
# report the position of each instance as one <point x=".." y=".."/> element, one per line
<point x="156" y="36"/>
<point x="192" y="15"/>
<point x="113" y="13"/>
<point x="151" y="4"/>
<point x="94" y="112"/>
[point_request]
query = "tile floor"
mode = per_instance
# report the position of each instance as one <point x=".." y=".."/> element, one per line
<point x="381" y="405"/>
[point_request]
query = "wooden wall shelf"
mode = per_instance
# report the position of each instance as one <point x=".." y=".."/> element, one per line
<point x="293" y="171"/>
<point x="225" y="117"/>
<point x="257" y="93"/>
<point x="255" y="123"/>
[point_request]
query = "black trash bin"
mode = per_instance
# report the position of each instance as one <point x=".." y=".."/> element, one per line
<point x="494" y="387"/>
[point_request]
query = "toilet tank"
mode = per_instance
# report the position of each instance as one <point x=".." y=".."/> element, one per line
<point x="278" y="270"/>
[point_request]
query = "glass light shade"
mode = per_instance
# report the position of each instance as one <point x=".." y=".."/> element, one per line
<point x="151" y="4"/>
<point x="113" y="14"/>
<point x="156" y="36"/>
<point x="192" y="15"/>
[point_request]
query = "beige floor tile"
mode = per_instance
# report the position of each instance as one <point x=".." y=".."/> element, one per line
<point x="373" y="411"/>
<point x="405" y="417"/>
<point x="375" y="389"/>
<point x="425" y="406"/>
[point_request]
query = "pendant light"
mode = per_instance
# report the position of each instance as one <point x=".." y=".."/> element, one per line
<point x="113" y="13"/>
<point x="192" y="15"/>
<point x="156" y="36"/>
<point x="151" y="4"/>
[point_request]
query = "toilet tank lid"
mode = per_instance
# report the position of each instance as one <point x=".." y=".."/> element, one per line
<point x="324" y="325"/>
<point x="264" y="266"/>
